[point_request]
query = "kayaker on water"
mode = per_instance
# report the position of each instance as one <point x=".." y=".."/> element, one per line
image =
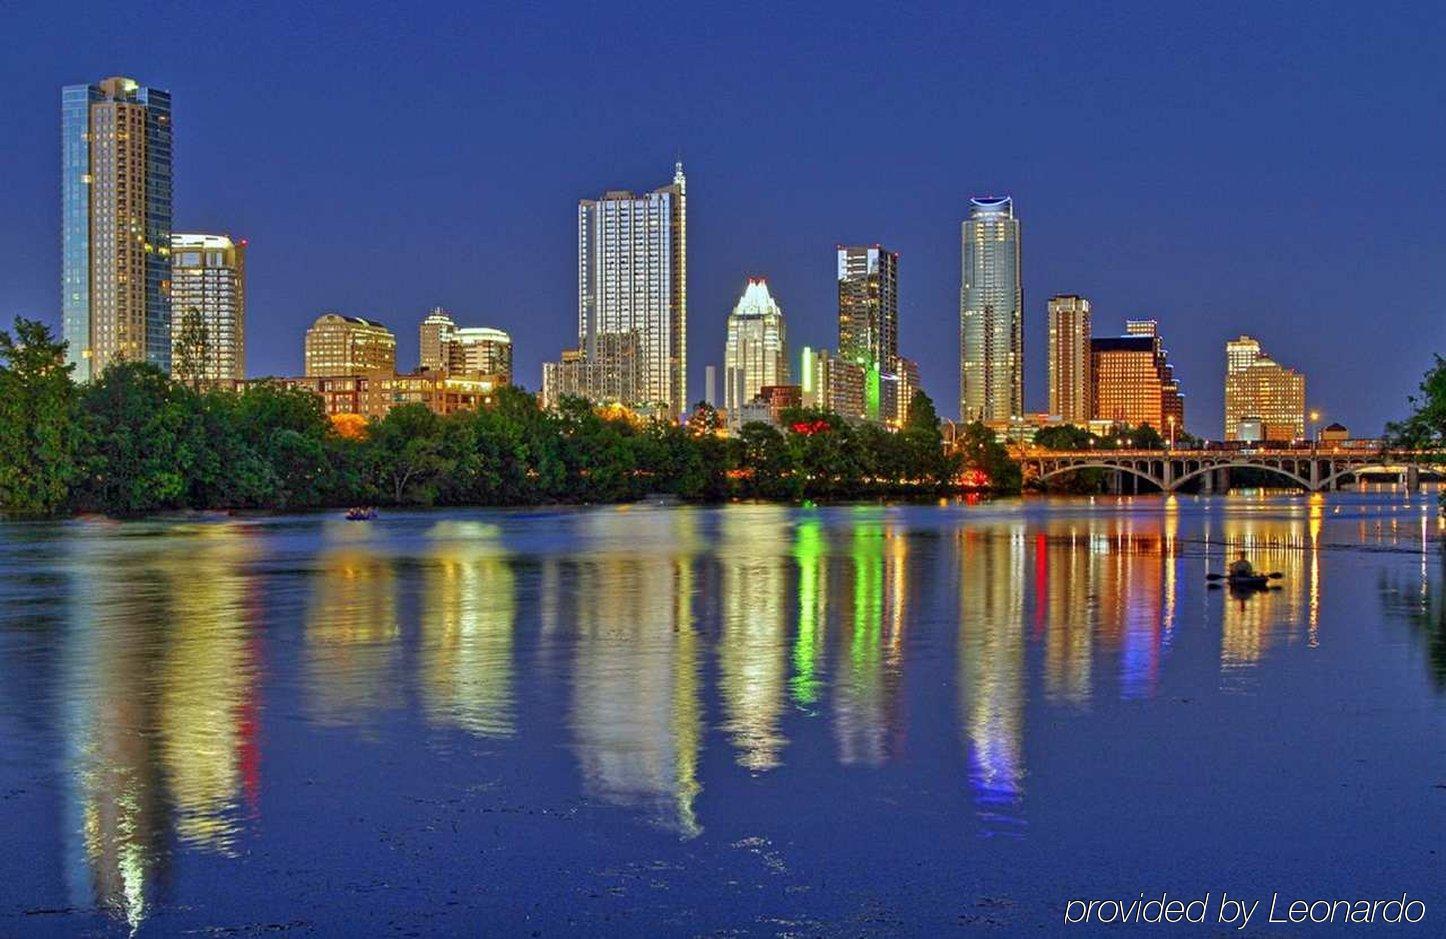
<point x="1241" y="567"/>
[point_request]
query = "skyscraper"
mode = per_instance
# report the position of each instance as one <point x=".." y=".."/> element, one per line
<point x="868" y="306"/>
<point x="349" y="345"/>
<point x="1257" y="388"/>
<point x="115" y="224"/>
<point x="991" y="312"/>
<point x="1133" y="381"/>
<point x="433" y="335"/>
<point x="480" y="350"/>
<point x="756" y="353"/>
<point x="632" y="272"/>
<point x="208" y="307"/>
<point x="1069" y="359"/>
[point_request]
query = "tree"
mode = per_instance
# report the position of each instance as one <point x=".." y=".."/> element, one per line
<point x="1426" y="427"/>
<point x="763" y="454"/>
<point x="923" y="444"/>
<point x="983" y="453"/>
<point x="1064" y="437"/>
<point x="145" y="438"/>
<point x="39" y="433"/>
<point x="409" y="454"/>
<point x="192" y="350"/>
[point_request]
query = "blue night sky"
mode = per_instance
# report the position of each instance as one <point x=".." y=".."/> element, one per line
<point x="1271" y="169"/>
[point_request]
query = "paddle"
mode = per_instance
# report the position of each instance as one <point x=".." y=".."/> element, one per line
<point x="1276" y="575"/>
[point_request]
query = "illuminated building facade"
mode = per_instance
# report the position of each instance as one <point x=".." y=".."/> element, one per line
<point x="373" y="394"/>
<point x="480" y="350"/>
<point x="835" y="384"/>
<point x="1070" y="383"/>
<point x="115" y="225"/>
<point x="208" y="307"/>
<point x="349" y="345"/>
<point x="756" y="353"/>
<point x="868" y="305"/>
<point x="614" y="373"/>
<point x="991" y="314"/>
<point x="433" y="335"/>
<point x="1133" y="382"/>
<point x="1259" y="389"/>
<point x="632" y="272"/>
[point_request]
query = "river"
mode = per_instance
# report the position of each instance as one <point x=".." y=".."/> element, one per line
<point x="763" y="720"/>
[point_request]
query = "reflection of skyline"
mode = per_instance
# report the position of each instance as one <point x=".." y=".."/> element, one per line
<point x="351" y="633"/>
<point x="784" y="634"/>
<point x="468" y="610"/>
<point x="637" y="717"/>
<point x="161" y="723"/>
<point x="870" y="602"/>
<point x="753" y="644"/>
<point x="991" y="667"/>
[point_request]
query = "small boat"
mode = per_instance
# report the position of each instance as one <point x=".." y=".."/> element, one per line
<point x="1242" y="583"/>
<point x="361" y="514"/>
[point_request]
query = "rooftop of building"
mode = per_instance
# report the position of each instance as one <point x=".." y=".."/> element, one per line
<point x="1123" y="344"/>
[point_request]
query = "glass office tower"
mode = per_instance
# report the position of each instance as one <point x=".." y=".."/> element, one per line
<point x="991" y="312"/>
<point x="868" y="306"/>
<point x="115" y="224"/>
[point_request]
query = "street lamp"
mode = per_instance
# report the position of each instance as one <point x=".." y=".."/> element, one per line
<point x="1314" y="437"/>
<point x="1171" y="419"/>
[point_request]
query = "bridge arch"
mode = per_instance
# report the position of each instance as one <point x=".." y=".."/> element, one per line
<point x="1425" y="469"/>
<point x="1073" y="467"/>
<point x="1236" y="464"/>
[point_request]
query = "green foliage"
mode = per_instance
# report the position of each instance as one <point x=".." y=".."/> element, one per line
<point x="135" y="441"/>
<point x="1426" y="427"/>
<point x="1070" y="437"/>
<point x="39" y="430"/>
<point x="981" y="452"/>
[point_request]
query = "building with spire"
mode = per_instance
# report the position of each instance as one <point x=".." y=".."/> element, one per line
<point x="756" y="353"/>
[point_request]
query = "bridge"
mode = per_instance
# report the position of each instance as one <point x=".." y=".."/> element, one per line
<point x="1315" y="469"/>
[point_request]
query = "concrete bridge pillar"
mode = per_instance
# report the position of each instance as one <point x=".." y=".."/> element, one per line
<point x="1207" y="482"/>
<point x="1222" y="479"/>
<point x="1314" y="475"/>
<point x="1116" y="482"/>
<point x="1167" y="475"/>
<point x="1413" y="478"/>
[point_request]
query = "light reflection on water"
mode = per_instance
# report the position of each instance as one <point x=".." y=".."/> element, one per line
<point x="638" y="640"/>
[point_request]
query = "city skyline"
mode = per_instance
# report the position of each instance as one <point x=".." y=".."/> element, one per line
<point x="1161" y="259"/>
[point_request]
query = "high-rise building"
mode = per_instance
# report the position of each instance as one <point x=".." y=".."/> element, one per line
<point x="433" y="335"/>
<point x="1262" y="394"/>
<point x="480" y="350"/>
<point x="115" y="225"/>
<point x="756" y="353"/>
<point x="710" y="385"/>
<point x="349" y="345"/>
<point x="208" y="307"/>
<point x="991" y="314"/>
<point x="868" y="305"/>
<point x="615" y="372"/>
<point x="1069" y="359"/>
<point x="835" y="384"/>
<point x="632" y="270"/>
<point x="464" y="350"/>
<point x="909" y="382"/>
<point x="1133" y="382"/>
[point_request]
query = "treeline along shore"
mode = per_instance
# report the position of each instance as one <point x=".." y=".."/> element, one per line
<point x="134" y="442"/>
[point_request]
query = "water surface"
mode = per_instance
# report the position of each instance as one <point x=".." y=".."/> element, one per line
<point x="753" y="719"/>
